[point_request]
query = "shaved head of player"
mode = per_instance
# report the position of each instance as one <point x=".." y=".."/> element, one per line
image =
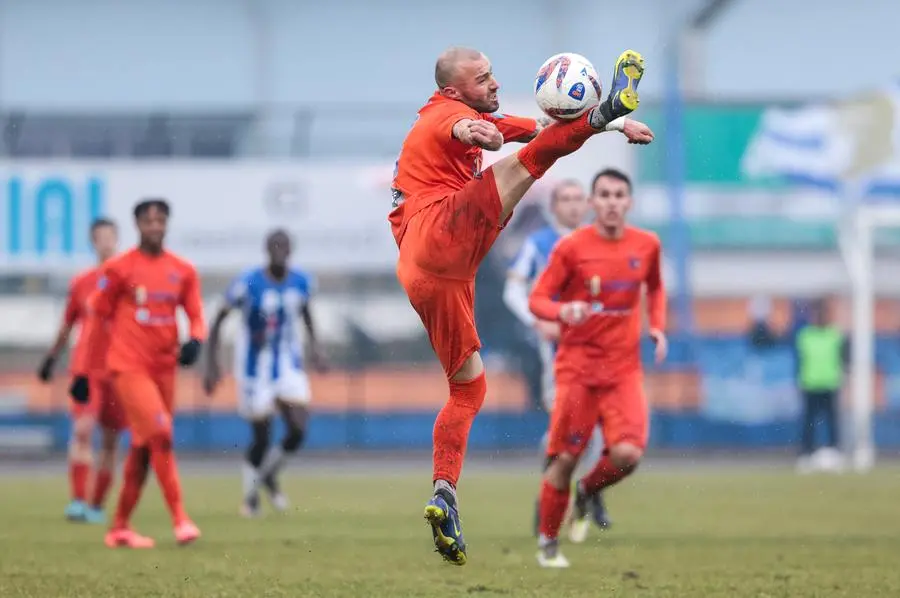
<point x="466" y="75"/>
<point x="568" y="203"/>
<point x="611" y="199"/>
<point x="152" y="218"/>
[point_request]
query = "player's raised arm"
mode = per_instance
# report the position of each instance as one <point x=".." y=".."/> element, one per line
<point x="657" y="304"/>
<point x="70" y="317"/>
<point x="192" y="302"/>
<point x="478" y="132"/>
<point x="516" y="128"/>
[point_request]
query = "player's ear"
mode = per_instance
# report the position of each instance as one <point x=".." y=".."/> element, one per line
<point x="450" y="92"/>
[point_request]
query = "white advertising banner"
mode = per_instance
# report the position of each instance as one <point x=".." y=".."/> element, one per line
<point x="221" y="211"/>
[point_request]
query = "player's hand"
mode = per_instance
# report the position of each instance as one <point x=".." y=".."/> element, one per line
<point x="45" y="372"/>
<point x="549" y="331"/>
<point x="574" y="312"/>
<point x="189" y="353"/>
<point x="485" y="134"/>
<point x="637" y="132"/>
<point x="80" y="390"/>
<point x="662" y="345"/>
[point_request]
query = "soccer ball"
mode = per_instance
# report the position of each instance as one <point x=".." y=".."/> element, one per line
<point x="567" y="86"/>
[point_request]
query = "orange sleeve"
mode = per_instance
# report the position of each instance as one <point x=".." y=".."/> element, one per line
<point x="450" y="114"/>
<point x="656" y="291"/>
<point x="73" y="307"/>
<point x="192" y="302"/>
<point x="542" y="302"/>
<point x="513" y="128"/>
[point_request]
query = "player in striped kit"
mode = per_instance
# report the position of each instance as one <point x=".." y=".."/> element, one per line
<point x="568" y="206"/>
<point x="269" y="367"/>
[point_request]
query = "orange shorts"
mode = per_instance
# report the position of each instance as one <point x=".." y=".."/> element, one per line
<point x="103" y="406"/>
<point x="440" y="252"/>
<point x="147" y="401"/>
<point x="620" y="409"/>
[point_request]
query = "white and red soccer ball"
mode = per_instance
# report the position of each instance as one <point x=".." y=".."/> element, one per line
<point x="567" y="86"/>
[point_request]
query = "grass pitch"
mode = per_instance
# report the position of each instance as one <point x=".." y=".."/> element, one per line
<point x="678" y="533"/>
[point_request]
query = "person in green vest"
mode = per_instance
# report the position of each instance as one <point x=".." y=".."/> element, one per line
<point x="822" y="357"/>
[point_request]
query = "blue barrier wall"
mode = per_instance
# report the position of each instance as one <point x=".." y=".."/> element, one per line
<point x="748" y="400"/>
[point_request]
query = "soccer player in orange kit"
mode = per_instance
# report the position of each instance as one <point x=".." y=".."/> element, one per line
<point x="447" y="213"/>
<point x="137" y="299"/>
<point x="103" y="410"/>
<point x="593" y="284"/>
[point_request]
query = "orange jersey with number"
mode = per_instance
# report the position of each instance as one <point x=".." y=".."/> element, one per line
<point x="84" y="362"/>
<point x="138" y="297"/>
<point x="609" y="275"/>
<point x="433" y="164"/>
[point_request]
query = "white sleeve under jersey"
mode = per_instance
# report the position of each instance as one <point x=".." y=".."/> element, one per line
<point x="519" y="277"/>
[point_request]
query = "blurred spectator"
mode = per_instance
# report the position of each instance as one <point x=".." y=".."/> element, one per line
<point x="761" y="334"/>
<point x="822" y="356"/>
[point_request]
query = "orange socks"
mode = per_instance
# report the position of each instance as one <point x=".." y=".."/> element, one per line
<point x="133" y="477"/>
<point x="451" y="428"/>
<point x="553" y="142"/>
<point x="162" y="458"/>
<point x="604" y="474"/>
<point x="554" y="503"/>
<point x="78" y="476"/>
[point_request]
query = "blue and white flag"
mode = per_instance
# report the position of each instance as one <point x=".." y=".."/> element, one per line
<point x="831" y="146"/>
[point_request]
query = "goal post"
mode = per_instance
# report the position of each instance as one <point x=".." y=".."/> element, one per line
<point x="857" y="245"/>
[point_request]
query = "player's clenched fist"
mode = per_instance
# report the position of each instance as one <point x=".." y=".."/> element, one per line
<point x="574" y="312"/>
<point x="485" y="135"/>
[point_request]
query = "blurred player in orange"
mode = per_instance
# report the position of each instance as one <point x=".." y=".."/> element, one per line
<point x="103" y="409"/>
<point x="447" y="213"/>
<point x="137" y="299"/>
<point x="593" y="285"/>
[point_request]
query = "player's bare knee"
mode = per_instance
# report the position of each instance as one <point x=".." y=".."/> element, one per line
<point x="625" y="456"/>
<point x="559" y="472"/>
<point x="82" y="429"/>
<point x="471" y="368"/>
